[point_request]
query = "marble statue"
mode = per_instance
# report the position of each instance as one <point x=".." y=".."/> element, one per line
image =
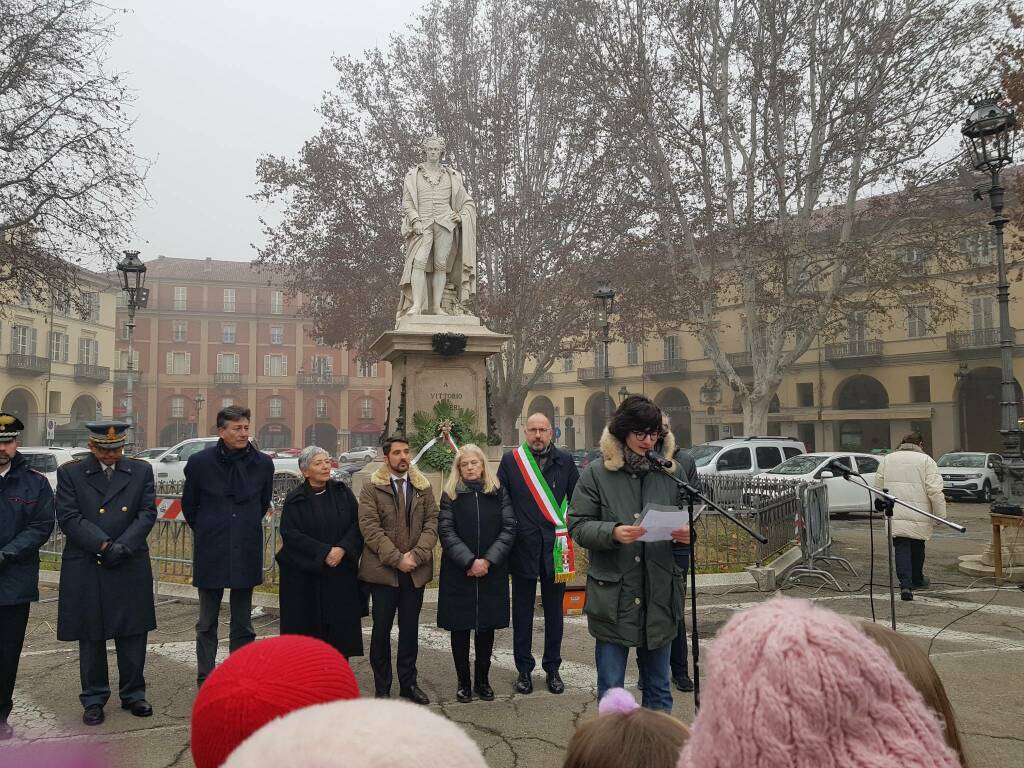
<point x="439" y="232"/>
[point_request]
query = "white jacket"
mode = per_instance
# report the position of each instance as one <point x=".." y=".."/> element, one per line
<point x="912" y="475"/>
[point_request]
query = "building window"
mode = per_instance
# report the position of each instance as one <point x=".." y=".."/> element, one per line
<point x="567" y="363"/>
<point x="227" y="362"/>
<point x="981" y="313"/>
<point x="366" y="408"/>
<point x="321" y="366"/>
<point x="805" y="394"/>
<point x="920" y="389"/>
<point x="277" y="334"/>
<point x="122" y="360"/>
<point x="227" y="402"/>
<point x="917" y="322"/>
<point x="978" y="248"/>
<point x="671" y="345"/>
<point x="856" y="326"/>
<point x="180" y="330"/>
<point x="599" y="358"/>
<point x="122" y="299"/>
<point x="276" y="406"/>
<point x="229" y="299"/>
<point x="227" y="332"/>
<point x="275" y="365"/>
<point x="91" y="307"/>
<point x="177" y="407"/>
<point x="58" y="347"/>
<point x="179" y="363"/>
<point x="61" y="303"/>
<point x="23" y="340"/>
<point x="913" y="256"/>
<point x="632" y="353"/>
<point x="180" y="297"/>
<point x="321" y="408"/>
<point x="367" y="370"/>
<point x="124" y="330"/>
<point x="277" y="302"/>
<point x="88" y="351"/>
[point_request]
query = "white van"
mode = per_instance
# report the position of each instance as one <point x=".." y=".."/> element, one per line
<point x="744" y="455"/>
<point x="169" y="466"/>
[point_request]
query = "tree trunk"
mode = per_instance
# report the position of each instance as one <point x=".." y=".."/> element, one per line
<point x="755" y="414"/>
<point x="506" y="411"/>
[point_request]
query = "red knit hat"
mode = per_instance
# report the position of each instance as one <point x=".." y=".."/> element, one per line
<point x="262" y="681"/>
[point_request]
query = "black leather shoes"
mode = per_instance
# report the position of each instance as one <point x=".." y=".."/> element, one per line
<point x="683" y="683"/>
<point x="140" y="708"/>
<point x="382" y="695"/>
<point x="555" y="684"/>
<point x="93" y="715"/>
<point x="524" y="684"/>
<point x="484" y="691"/>
<point x="906" y="594"/>
<point x="6" y="732"/>
<point x="464" y="695"/>
<point x="415" y="695"/>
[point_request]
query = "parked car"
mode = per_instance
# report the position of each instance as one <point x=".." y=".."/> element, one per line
<point x="744" y="455"/>
<point x="968" y="475"/>
<point x="149" y="453"/>
<point x="844" y="496"/>
<point x="169" y="466"/>
<point x="364" y="454"/>
<point x="581" y="458"/>
<point x="46" y="459"/>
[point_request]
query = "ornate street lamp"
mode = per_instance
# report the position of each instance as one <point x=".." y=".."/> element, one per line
<point x="623" y="393"/>
<point x="133" y="281"/>
<point x="604" y="298"/>
<point x="199" y="400"/>
<point x="988" y="134"/>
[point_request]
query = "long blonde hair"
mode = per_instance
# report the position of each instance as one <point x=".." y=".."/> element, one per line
<point x="455" y="476"/>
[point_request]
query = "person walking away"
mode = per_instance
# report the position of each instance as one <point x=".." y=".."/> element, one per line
<point x="539" y="478"/>
<point x="477" y="528"/>
<point x="26" y="522"/>
<point x="911" y="475"/>
<point x="106" y="507"/>
<point x="227" y="493"/>
<point x="398" y="520"/>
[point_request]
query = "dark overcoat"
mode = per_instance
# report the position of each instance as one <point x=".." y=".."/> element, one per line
<point x="474" y="525"/>
<point x="226" y="518"/>
<point x="532" y="557"/>
<point x="98" y="602"/>
<point x="318" y="600"/>
<point x="26" y="522"/>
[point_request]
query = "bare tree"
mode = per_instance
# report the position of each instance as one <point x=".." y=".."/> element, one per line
<point x="492" y="79"/>
<point x="69" y="177"/>
<point x="786" y="152"/>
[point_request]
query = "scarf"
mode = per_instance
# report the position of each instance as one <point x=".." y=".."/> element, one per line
<point x="635" y="463"/>
<point x="235" y="460"/>
<point x="542" y="457"/>
<point x="474" y="485"/>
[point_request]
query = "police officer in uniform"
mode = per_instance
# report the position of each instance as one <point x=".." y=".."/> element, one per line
<point x="106" y="507"/>
<point x="26" y="522"/>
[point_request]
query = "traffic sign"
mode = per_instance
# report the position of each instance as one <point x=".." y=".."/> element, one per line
<point x="558" y="432"/>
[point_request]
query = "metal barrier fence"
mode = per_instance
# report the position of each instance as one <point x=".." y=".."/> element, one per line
<point x="814" y="529"/>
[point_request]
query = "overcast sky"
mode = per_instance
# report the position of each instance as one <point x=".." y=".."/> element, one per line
<point x="220" y="82"/>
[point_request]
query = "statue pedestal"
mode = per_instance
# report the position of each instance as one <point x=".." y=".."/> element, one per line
<point x="421" y="375"/>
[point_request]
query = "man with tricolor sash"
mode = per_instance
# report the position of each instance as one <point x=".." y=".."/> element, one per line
<point x="540" y="479"/>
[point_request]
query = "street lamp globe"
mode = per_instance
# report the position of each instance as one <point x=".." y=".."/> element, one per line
<point x="133" y="273"/>
<point x="989" y="133"/>
<point x="605" y="297"/>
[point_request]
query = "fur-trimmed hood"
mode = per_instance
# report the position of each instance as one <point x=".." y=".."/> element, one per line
<point x="382" y="478"/>
<point x="613" y="451"/>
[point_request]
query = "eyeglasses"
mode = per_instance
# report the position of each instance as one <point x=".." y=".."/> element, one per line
<point x="654" y="434"/>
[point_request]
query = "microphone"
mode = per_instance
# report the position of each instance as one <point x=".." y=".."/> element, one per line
<point x="658" y="460"/>
<point x="837" y="466"/>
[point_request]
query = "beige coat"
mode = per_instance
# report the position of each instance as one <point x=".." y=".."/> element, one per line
<point x="911" y="475"/>
<point x="386" y="536"/>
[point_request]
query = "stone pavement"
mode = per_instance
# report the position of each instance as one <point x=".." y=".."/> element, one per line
<point x="980" y="658"/>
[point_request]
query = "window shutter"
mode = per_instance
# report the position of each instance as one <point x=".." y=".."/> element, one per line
<point x="188" y="362"/>
<point x="32" y="341"/>
<point x="170" y="362"/>
<point x="266" y="365"/>
<point x="284" y="365"/>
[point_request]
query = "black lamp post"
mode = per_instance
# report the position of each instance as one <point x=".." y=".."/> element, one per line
<point x="199" y="400"/>
<point x="133" y="281"/>
<point x="623" y="393"/>
<point x="604" y="297"/>
<point x="989" y="139"/>
<point x="962" y="374"/>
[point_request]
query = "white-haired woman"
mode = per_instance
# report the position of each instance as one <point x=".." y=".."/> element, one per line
<point x="477" y="528"/>
<point x="319" y="593"/>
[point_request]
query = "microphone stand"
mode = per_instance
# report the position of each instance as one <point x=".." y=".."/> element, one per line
<point x="688" y="495"/>
<point x="885" y="502"/>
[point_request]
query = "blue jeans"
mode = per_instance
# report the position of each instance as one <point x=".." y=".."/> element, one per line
<point x="654" y="665"/>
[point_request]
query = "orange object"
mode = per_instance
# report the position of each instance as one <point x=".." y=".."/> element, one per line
<point x="574" y="600"/>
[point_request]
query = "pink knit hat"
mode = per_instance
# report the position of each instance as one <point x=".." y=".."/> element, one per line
<point x="792" y="685"/>
<point x="368" y="733"/>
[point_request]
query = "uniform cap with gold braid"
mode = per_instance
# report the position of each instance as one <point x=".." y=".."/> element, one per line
<point x="107" y="434"/>
<point x="10" y="427"/>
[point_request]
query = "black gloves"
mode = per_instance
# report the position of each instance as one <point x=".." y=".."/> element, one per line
<point x="2" y="558"/>
<point x="114" y="555"/>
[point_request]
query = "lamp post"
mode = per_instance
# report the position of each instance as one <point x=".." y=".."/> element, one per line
<point x="989" y="139"/>
<point x="961" y="375"/>
<point x="199" y="400"/>
<point x="133" y="280"/>
<point x="623" y="393"/>
<point x="604" y="297"/>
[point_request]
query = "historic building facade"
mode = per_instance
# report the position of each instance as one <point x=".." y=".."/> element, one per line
<point x="218" y="333"/>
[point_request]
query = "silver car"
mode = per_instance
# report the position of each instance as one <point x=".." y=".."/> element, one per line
<point x="968" y="475"/>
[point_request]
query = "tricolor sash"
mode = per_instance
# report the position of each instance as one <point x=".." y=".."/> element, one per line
<point x="553" y="511"/>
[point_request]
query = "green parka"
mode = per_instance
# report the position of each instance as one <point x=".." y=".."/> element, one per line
<point x="634" y="591"/>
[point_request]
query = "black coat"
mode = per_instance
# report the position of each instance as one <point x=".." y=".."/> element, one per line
<point x="318" y="600"/>
<point x="531" y="557"/>
<point x="474" y="525"/>
<point x="98" y="602"/>
<point x="227" y="530"/>
<point x="26" y="522"/>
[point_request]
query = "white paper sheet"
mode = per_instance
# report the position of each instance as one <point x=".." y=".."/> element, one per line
<point x="660" y="521"/>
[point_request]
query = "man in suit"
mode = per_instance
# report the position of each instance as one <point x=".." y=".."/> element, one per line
<point x="106" y="508"/>
<point x="532" y="556"/>
<point x="26" y="522"/>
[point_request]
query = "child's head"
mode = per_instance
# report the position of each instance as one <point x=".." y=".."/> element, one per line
<point x="918" y="669"/>
<point x="793" y="684"/>
<point x="626" y="736"/>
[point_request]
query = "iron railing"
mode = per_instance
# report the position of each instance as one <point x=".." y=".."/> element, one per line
<point x="598" y="373"/>
<point x="850" y="349"/>
<point x="30" y="364"/>
<point x="87" y="372"/>
<point x="664" y="367"/>
<point x="980" y="338"/>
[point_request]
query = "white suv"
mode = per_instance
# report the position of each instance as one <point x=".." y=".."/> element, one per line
<point x="744" y="455"/>
<point x="46" y="459"/>
<point x="169" y="466"/>
<point x="970" y="475"/>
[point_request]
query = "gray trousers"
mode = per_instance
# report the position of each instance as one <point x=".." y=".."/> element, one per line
<point x="241" y="632"/>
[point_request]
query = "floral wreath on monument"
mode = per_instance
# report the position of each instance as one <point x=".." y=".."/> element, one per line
<point x="439" y="433"/>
